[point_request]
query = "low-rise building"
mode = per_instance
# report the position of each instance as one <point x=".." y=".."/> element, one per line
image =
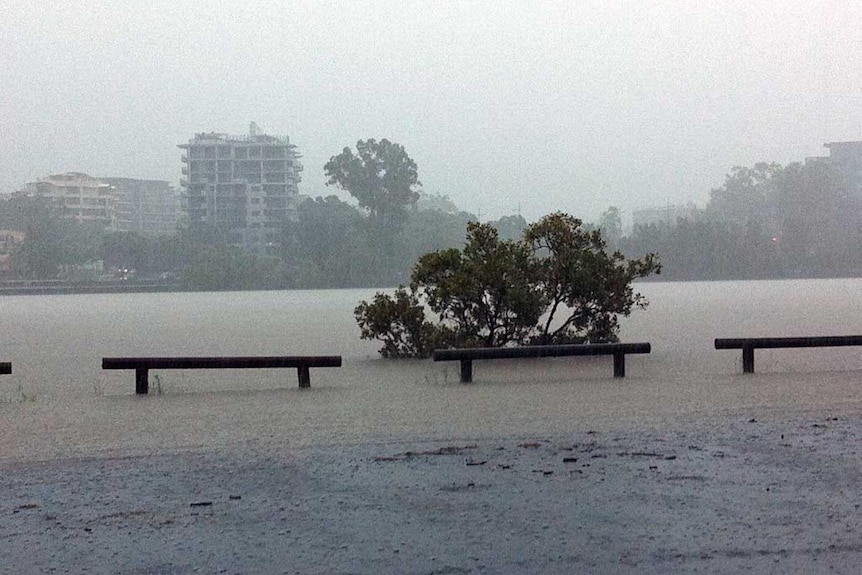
<point x="79" y="197"/>
<point x="116" y="204"/>
<point x="9" y="241"/>
<point x="147" y="206"/>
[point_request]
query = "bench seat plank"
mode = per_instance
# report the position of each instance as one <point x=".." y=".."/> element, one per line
<point x="142" y="365"/>
<point x="780" y="342"/>
<point x="467" y="355"/>
<point x="749" y="344"/>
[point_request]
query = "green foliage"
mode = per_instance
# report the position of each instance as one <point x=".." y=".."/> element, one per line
<point x="381" y="176"/>
<point x="399" y="322"/>
<point x="497" y="292"/>
<point x="429" y="230"/>
<point x="52" y="245"/>
<point x="326" y="245"/>
<point x="576" y="273"/>
<point x="484" y="291"/>
<point x="747" y="194"/>
<point x="385" y="182"/>
<point x="766" y="221"/>
<point x="611" y="225"/>
<point x="222" y="267"/>
<point x="510" y="227"/>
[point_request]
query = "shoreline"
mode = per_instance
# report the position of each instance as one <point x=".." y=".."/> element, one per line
<point x="67" y="288"/>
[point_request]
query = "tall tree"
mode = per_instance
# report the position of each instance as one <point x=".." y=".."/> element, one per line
<point x="748" y="194"/>
<point x="611" y="225"/>
<point x="380" y="175"/>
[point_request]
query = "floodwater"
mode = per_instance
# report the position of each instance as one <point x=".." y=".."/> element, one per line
<point x="60" y="403"/>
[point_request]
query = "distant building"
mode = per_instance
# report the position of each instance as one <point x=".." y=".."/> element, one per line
<point x="117" y="204"/>
<point x="79" y="197"/>
<point x="9" y="241"/>
<point x="664" y="215"/>
<point x="847" y="156"/>
<point x="147" y="206"/>
<point x="247" y="185"/>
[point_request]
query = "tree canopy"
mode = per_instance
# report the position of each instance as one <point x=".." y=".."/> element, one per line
<point x="380" y="175"/>
<point x="556" y="284"/>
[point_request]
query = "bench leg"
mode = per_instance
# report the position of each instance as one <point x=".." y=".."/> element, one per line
<point x="142" y="381"/>
<point x="747" y="359"/>
<point x="466" y="371"/>
<point x="619" y="365"/>
<point x="304" y="376"/>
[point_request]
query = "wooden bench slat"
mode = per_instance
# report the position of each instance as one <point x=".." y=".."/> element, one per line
<point x="780" y="342"/>
<point x="540" y="351"/>
<point x="247" y="362"/>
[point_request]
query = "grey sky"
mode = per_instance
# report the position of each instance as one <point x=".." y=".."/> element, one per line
<point x="504" y="105"/>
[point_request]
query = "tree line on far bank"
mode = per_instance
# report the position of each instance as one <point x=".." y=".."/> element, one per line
<point x="330" y="244"/>
<point x="765" y="221"/>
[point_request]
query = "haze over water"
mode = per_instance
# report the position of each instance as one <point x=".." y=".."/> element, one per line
<point x="59" y="403"/>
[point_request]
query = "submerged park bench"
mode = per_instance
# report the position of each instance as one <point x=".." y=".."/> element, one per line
<point x="142" y="365"/>
<point x="749" y="344"/>
<point x="467" y="355"/>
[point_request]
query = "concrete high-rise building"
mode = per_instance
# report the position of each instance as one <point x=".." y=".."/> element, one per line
<point x="246" y="185"/>
<point x="149" y="206"/>
<point x="79" y="197"/>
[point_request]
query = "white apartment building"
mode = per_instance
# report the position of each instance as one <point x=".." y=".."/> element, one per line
<point x="79" y="197"/>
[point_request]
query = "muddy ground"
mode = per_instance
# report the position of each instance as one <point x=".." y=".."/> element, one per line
<point x="723" y="494"/>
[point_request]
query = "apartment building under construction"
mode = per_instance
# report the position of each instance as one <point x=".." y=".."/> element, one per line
<point x="245" y="185"/>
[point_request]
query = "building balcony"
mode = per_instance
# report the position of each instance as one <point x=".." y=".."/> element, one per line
<point x="184" y="159"/>
<point x="185" y="170"/>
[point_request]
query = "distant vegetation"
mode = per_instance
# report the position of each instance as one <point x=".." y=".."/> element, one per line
<point x="765" y="221"/>
<point x="556" y="284"/>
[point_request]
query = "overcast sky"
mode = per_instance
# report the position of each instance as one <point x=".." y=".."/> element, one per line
<point x="505" y="106"/>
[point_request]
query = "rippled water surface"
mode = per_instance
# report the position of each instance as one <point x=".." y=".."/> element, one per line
<point x="59" y="403"/>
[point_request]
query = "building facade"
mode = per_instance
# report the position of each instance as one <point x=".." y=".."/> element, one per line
<point x="10" y="240"/>
<point x="847" y="157"/>
<point x="247" y="185"/>
<point x="115" y="204"/>
<point x="79" y="197"/>
<point x="147" y="206"/>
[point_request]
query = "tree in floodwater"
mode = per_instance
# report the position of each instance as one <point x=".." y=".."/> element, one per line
<point x="557" y="284"/>
<point x="580" y="279"/>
